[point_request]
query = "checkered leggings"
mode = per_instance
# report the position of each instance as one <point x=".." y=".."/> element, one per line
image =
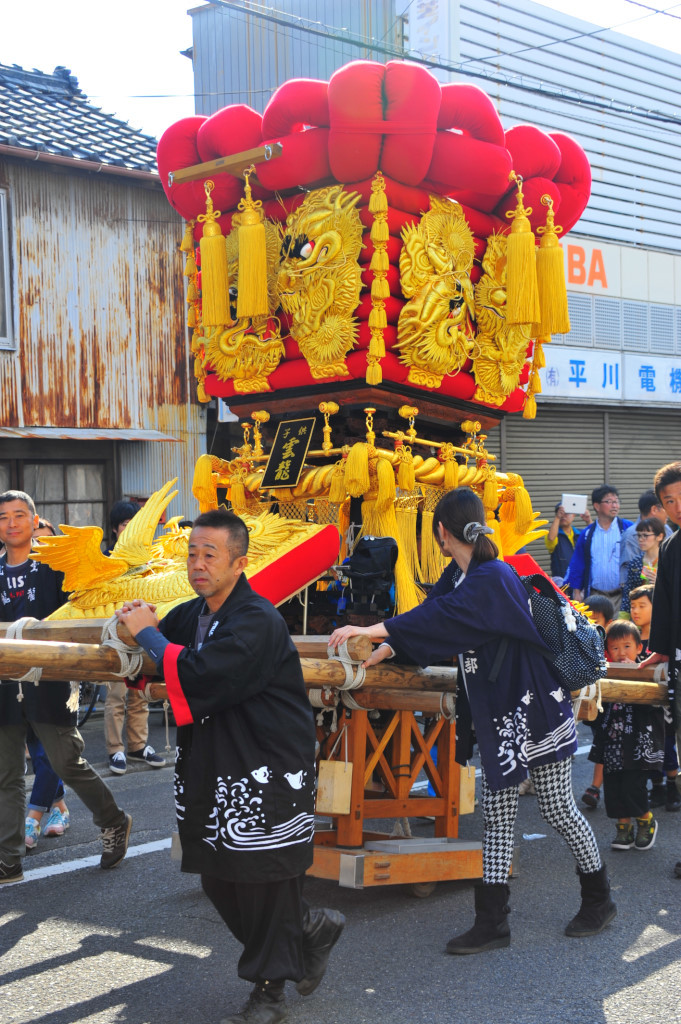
<point x="553" y="783"/>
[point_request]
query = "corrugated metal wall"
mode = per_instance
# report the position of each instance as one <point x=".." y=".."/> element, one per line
<point x="243" y="58"/>
<point x="146" y="466"/>
<point x="568" y="73"/>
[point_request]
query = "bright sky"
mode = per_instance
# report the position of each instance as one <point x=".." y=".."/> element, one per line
<point x="126" y="54"/>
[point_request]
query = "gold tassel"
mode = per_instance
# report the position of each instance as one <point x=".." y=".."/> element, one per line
<point x="191" y="316"/>
<point x="451" y="474"/>
<point x="380" y="232"/>
<point x="523" y="510"/>
<point x="374" y="374"/>
<point x="490" y="492"/>
<point x="357" y="470"/>
<point x="187" y="243"/>
<point x="192" y="294"/>
<point x="190" y="266"/>
<point x="539" y="357"/>
<point x="386" y="485"/>
<point x="522" y="296"/>
<point x="379" y="262"/>
<point x="237" y="493"/>
<point x="377" y="318"/>
<point x="378" y="201"/>
<point x="337" y="491"/>
<point x="214" y="269"/>
<point x="378" y="207"/>
<point x="252" y="299"/>
<point x="553" y="301"/>
<point x="343" y="527"/>
<point x="406" y="478"/>
<point x="203" y="485"/>
<point x="530" y="408"/>
<point x="377" y="343"/>
<point x="432" y="560"/>
<point x="201" y="393"/>
<point x="407" y="539"/>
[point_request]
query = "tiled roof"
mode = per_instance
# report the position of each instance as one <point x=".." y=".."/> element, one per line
<point x="49" y="113"/>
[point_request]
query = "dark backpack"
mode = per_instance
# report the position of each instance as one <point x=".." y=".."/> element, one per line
<point x="371" y="570"/>
<point x="576" y="645"/>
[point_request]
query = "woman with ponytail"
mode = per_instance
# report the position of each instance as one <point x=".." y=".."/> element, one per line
<point x="515" y="707"/>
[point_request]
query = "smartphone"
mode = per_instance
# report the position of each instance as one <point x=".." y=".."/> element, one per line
<point x="574" y="503"/>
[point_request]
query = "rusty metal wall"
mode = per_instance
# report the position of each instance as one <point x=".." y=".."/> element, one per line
<point x="98" y="316"/>
<point x="146" y="466"/>
<point x="98" y="301"/>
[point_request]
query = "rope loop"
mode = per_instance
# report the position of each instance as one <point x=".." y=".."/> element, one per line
<point x="131" y="658"/>
<point x="447" y="706"/>
<point x="15" y="632"/>
<point x="353" y="681"/>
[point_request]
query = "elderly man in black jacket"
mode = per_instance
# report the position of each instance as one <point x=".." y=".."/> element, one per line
<point x="244" y="783"/>
<point x="30" y="589"/>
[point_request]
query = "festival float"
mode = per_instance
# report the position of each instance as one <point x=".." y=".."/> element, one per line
<point x="375" y="249"/>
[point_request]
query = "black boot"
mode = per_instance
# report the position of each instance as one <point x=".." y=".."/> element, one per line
<point x="265" y="1005"/>
<point x="491" y="930"/>
<point x="597" y="909"/>
<point x="321" y="931"/>
<point x="673" y="798"/>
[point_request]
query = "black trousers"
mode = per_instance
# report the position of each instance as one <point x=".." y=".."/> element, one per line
<point x="267" y="919"/>
<point x="626" y="793"/>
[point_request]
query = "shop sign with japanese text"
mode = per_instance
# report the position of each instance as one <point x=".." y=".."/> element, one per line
<point x="288" y="454"/>
<point x="609" y="376"/>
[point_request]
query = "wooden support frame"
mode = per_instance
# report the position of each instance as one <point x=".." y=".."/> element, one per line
<point x="395" y="754"/>
<point x="235" y="164"/>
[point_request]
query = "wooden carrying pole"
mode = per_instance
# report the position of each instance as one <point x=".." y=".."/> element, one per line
<point x="62" y="659"/>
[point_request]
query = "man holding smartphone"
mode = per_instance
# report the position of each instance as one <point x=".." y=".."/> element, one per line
<point x="562" y="537"/>
<point x="595" y="565"/>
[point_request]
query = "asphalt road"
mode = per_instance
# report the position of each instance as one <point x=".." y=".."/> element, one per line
<point x="142" y="945"/>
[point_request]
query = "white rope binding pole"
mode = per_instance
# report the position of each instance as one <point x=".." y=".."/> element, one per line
<point x="15" y="631"/>
<point x="353" y="681"/>
<point x="131" y="657"/>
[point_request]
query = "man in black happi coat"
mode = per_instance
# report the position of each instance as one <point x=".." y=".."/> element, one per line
<point x="244" y="784"/>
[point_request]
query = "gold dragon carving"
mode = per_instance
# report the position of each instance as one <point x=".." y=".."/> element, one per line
<point x="319" y="280"/>
<point x="153" y="571"/>
<point x="249" y="349"/>
<point x="501" y="347"/>
<point x="435" y="329"/>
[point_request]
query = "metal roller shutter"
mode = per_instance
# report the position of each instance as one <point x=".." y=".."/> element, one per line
<point x="639" y="443"/>
<point x="562" y="450"/>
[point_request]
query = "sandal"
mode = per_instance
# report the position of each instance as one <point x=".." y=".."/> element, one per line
<point x="591" y="797"/>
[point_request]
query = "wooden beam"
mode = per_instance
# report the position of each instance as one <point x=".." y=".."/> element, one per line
<point x="235" y="164"/>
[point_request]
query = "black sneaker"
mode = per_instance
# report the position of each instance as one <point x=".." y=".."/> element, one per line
<point x="645" y="833"/>
<point x="117" y="763"/>
<point x="115" y="840"/>
<point x="11" y="873"/>
<point x="624" y="838"/>
<point x="147" y="756"/>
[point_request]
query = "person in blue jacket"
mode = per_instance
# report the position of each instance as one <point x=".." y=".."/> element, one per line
<point x="595" y="566"/>
<point x="523" y="721"/>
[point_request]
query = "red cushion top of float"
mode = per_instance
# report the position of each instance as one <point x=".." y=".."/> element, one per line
<point x="298" y="567"/>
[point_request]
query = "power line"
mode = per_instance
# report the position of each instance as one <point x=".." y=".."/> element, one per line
<point x="509" y="80"/>
<point x="656" y="10"/>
